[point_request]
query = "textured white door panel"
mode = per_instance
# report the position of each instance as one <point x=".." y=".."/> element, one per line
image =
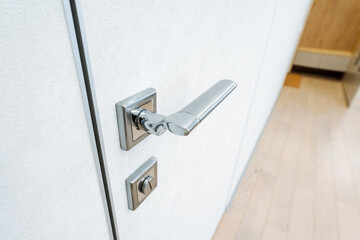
<point x="286" y="31"/>
<point x="180" y="48"/>
<point x="49" y="184"/>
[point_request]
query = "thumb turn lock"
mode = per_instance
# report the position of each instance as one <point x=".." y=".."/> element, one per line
<point x="146" y="185"/>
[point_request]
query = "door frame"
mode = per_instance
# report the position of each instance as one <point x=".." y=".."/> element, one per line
<point x="76" y="29"/>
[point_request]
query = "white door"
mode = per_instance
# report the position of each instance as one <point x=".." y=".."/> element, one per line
<point x="50" y="186"/>
<point x="180" y="48"/>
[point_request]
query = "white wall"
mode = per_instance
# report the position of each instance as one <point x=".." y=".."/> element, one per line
<point x="49" y="187"/>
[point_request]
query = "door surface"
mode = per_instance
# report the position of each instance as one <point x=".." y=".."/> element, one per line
<point x="180" y="48"/>
<point x="54" y="147"/>
<point x="49" y="182"/>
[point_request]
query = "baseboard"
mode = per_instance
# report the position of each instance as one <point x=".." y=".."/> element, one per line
<point x="323" y="59"/>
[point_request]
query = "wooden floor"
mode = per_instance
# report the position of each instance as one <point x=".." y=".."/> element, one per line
<point x="303" y="181"/>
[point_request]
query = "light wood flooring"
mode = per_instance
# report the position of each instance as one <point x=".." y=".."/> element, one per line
<point x="303" y="181"/>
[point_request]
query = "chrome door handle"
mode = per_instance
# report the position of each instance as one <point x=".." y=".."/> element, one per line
<point x="138" y="114"/>
<point x="184" y="121"/>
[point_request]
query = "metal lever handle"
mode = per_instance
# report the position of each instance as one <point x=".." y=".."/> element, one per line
<point x="184" y="121"/>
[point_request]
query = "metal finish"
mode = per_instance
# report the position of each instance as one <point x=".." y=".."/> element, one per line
<point x="129" y="132"/>
<point x="141" y="183"/>
<point x="146" y="185"/>
<point x="133" y="113"/>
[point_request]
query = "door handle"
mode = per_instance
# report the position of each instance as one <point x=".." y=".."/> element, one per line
<point x="137" y="114"/>
<point x="184" y="121"/>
